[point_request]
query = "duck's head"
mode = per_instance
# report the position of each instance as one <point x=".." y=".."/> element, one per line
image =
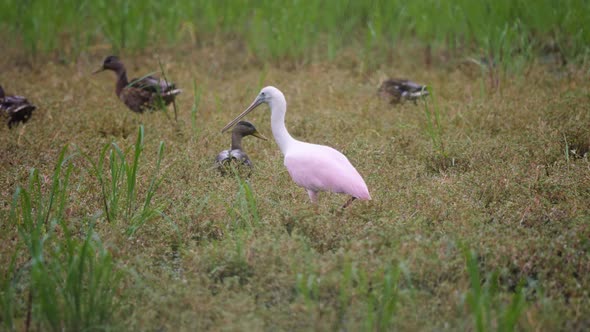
<point x="268" y="95"/>
<point x="110" y="63"/>
<point x="245" y="128"/>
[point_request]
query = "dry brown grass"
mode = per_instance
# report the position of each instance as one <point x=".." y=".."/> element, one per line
<point x="504" y="187"/>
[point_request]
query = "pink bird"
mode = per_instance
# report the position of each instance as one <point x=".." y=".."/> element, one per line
<point x="313" y="167"/>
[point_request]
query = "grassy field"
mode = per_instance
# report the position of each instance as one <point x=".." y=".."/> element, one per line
<point x="509" y="31"/>
<point x="112" y="220"/>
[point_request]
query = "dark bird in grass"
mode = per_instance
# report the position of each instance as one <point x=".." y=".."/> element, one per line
<point x="141" y="94"/>
<point x="396" y="90"/>
<point x="15" y="108"/>
<point x="235" y="154"/>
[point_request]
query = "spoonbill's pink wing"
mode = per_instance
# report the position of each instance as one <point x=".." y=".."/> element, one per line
<point x="322" y="168"/>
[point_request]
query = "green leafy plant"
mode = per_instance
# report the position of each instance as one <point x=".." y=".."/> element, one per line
<point x="244" y="211"/>
<point x="119" y="185"/>
<point x="308" y="286"/>
<point x="378" y="293"/>
<point x="71" y="281"/>
<point x="433" y="126"/>
<point x="484" y="303"/>
<point x="381" y="299"/>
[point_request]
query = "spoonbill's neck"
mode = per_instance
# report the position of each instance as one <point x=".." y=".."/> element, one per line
<point x="278" y="109"/>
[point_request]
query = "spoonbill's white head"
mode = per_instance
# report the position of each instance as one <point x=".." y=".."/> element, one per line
<point x="269" y="95"/>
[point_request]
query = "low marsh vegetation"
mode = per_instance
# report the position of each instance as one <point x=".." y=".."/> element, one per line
<point x="152" y="239"/>
<point x="117" y="178"/>
<point x="506" y="32"/>
<point x="67" y="280"/>
<point x="479" y="217"/>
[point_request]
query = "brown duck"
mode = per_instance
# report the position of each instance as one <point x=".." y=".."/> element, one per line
<point x="398" y="90"/>
<point x="235" y="154"/>
<point x="15" y="108"/>
<point x="141" y="94"/>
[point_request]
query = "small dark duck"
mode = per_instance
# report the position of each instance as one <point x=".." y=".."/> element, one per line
<point x="15" y="108"/>
<point x="235" y="153"/>
<point x="396" y="90"/>
<point x="141" y="94"/>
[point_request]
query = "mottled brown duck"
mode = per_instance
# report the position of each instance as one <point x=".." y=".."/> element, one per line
<point x="16" y="109"/>
<point x="140" y="94"/>
<point x="235" y="154"/>
<point x="398" y="90"/>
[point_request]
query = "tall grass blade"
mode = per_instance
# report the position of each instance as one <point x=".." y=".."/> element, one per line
<point x="70" y="283"/>
<point x="131" y="171"/>
<point x="484" y="301"/>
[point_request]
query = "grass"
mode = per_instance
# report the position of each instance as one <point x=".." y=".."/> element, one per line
<point x="484" y="304"/>
<point x="195" y="108"/>
<point x="119" y="192"/>
<point x="507" y="32"/>
<point x="479" y="217"/>
<point x="70" y="281"/>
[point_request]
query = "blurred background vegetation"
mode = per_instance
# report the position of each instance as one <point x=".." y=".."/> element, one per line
<point x="507" y="31"/>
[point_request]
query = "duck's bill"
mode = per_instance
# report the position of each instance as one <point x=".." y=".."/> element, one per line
<point x="98" y="71"/>
<point x="259" y="135"/>
<point x="250" y="108"/>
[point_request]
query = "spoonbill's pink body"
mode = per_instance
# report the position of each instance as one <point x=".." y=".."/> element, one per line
<point x="313" y="167"/>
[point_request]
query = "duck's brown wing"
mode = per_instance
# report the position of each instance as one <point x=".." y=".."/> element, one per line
<point x="389" y="90"/>
<point x="234" y="159"/>
<point x="222" y="157"/>
<point x="412" y="90"/>
<point x="411" y="87"/>
<point x="17" y="108"/>
<point x="152" y="84"/>
<point x="221" y="161"/>
<point x="138" y="100"/>
<point x="241" y="157"/>
<point x="398" y="88"/>
<point x="401" y="85"/>
<point x="158" y="87"/>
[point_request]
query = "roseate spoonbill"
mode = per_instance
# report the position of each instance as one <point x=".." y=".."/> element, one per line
<point x="15" y="108"/>
<point x="140" y="94"/>
<point x="397" y="90"/>
<point x="235" y="153"/>
<point x="313" y="167"/>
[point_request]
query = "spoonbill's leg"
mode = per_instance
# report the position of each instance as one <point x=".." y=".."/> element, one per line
<point x="348" y="202"/>
<point x="313" y="196"/>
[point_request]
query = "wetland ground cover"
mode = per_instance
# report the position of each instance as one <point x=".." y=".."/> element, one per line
<point x="112" y="220"/>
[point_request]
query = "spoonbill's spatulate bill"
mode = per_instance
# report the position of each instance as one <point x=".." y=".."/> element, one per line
<point x="313" y="167"/>
<point x="235" y="153"/>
